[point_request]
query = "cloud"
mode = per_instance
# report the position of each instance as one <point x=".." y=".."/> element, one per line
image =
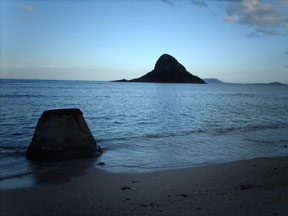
<point x="232" y="19"/>
<point x="261" y="31"/>
<point x="264" y="16"/>
<point x="28" y="8"/>
<point x="258" y="14"/>
<point x="199" y="3"/>
<point x="169" y="2"/>
<point x="286" y="52"/>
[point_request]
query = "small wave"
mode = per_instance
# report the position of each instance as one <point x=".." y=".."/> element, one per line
<point x="180" y="133"/>
<point x="12" y="151"/>
<point x="153" y="136"/>
<point x="249" y="128"/>
<point x="160" y="135"/>
<point x="272" y="126"/>
<point x="114" y="139"/>
<point x="142" y="166"/>
<point x="118" y="122"/>
<point x="145" y="123"/>
<point x="12" y="147"/>
<point x="121" y="168"/>
<point x="13" y="154"/>
<point x="17" y="134"/>
<point x="243" y="94"/>
<point x="21" y="96"/>
<point x="15" y="176"/>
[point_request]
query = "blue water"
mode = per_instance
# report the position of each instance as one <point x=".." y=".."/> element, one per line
<point x="149" y="126"/>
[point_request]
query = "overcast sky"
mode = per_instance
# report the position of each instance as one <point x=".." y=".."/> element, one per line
<point x="233" y="40"/>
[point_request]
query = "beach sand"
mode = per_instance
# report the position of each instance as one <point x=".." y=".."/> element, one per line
<point x="251" y="187"/>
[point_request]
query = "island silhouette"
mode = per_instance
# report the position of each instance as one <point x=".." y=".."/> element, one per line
<point x="167" y="70"/>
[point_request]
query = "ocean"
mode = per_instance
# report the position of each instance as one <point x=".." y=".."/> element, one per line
<point x="145" y="126"/>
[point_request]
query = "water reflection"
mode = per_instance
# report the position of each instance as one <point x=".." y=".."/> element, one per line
<point x="45" y="173"/>
<point x="59" y="172"/>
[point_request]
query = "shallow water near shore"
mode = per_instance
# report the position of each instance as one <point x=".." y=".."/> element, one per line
<point x="148" y="126"/>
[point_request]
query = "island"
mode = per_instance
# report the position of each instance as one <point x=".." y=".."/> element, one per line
<point x="167" y="70"/>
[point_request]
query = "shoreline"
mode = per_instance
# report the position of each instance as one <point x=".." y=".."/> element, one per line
<point x="76" y="167"/>
<point x="248" y="187"/>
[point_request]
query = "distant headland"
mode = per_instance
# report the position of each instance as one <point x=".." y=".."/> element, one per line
<point x="167" y="70"/>
<point x="213" y="81"/>
<point x="217" y="81"/>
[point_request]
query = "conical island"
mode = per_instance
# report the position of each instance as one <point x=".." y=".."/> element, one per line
<point x="167" y="70"/>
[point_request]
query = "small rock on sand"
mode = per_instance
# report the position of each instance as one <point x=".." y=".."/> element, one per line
<point x="126" y="188"/>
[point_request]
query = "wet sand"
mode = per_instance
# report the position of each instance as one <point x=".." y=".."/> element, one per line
<point x="251" y="187"/>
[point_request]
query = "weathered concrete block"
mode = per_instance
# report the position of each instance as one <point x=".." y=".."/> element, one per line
<point x="60" y="135"/>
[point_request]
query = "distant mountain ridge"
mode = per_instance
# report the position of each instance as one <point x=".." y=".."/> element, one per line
<point x="213" y="80"/>
<point x="272" y="83"/>
<point x="217" y="81"/>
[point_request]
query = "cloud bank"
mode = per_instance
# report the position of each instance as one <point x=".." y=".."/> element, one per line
<point x="257" y="13"/>
<point x="265" y="17"/>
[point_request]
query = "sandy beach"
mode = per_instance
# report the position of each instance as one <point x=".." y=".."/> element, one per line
<point x="251" y="187"/>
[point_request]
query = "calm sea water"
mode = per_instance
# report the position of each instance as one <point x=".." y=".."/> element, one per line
<point x="149" y="126"/>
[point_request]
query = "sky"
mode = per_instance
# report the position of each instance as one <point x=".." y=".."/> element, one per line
<point x="243" y="41"/>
